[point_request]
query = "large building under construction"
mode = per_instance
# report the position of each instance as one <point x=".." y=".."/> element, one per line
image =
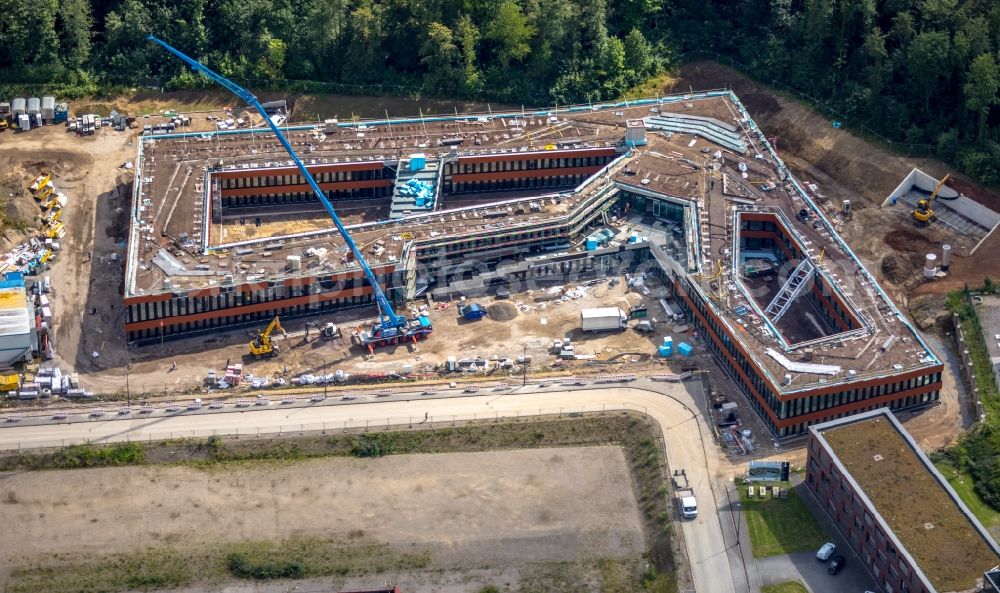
<point x="225" y="233"/>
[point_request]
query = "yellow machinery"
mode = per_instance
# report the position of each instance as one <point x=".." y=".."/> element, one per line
<point x="44" y="192"/>
<point x="924" y="213"/>
<point x="53" y="215"/>
<point x="56" y="230"/>
<point x="57" y="200"/>
<point x="9" y="382"/>
<point x="262" y="345"/>
<point x="41" y="181"/>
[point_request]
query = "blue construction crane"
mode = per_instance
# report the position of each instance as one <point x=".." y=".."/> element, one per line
<point x="390" y="325"/>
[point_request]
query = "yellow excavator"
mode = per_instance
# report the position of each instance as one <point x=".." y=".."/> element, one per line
<point x="261" y="344"/>
<point x="924" y="213"/>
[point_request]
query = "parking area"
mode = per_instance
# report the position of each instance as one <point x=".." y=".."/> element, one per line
<point x="804" y="566"/>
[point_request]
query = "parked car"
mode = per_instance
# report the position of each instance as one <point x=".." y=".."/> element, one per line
<point x="836" y="564"/>
<point x="825" y="552"/>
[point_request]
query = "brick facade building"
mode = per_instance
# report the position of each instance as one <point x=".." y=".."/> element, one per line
<point x="900" y="516"/>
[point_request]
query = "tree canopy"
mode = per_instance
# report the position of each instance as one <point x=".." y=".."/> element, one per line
<point x="920" y="71"/>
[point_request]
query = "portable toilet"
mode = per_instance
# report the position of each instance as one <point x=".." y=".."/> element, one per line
<point x="418" y="161"/>
<point x="684" y="349"/>
<point x="34" y="105"/>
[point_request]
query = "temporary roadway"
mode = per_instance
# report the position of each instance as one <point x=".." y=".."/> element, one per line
<point x="670" y="405"/>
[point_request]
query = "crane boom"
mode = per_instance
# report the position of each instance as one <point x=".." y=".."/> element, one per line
<point x="388" y="319"/>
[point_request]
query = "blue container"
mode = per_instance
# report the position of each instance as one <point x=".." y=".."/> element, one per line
<point x="591" y="244"/>
<point x="418" y="161"/>
<point x="666" y="351"/>
<point x="419" y="201"/>
<point x="633" y="238"/>
<point x="684" y="349"/>
<point x="668" y="341"/>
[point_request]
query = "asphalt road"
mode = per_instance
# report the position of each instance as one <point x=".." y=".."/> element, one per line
<point x="673" y="409"/>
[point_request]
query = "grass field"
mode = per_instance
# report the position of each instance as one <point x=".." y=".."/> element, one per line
<point x="963" y="485"/>
<point x="780" y="526"/>
<point x="789" y="587"/>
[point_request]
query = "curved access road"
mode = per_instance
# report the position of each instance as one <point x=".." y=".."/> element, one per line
<point x="673" y="408"/>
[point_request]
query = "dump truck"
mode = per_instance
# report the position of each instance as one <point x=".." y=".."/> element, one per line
<point x="603" y="319"/>
<point x="687" y="504"/>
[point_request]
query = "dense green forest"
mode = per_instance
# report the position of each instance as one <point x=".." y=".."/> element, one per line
<point x="917" y="71"/>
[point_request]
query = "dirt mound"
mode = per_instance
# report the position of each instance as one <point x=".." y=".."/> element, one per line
<point x="897" y="268"/>
<point x="502" y="311"/>
<point x="909" y="241"/>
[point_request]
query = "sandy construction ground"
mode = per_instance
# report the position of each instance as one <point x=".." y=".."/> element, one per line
<point x="534" y="505"/>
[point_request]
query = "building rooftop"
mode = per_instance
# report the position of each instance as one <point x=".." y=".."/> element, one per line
<point x="912" y="499"/>
<point x="702" y="151"/>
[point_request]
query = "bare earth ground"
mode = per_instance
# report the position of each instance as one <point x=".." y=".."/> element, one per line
<point x="468" y="510"/>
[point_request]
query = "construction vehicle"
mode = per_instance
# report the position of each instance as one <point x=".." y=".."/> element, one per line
<point x="57" y="200"/>
<point x="55" y="230"/>
<point x="329" y="331"/>
<point x="53" y="215"/>
<point x="261" y="344"/>
<point x="687" y="504"/>
<point x="924" y="212"/>
<point x="390" y="328"/>
<point x="44" y="192"/>
<point x="41" y="181"/>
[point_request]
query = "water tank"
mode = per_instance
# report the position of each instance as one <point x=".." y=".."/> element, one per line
<point x="34" y="105"/>
<point x="294" y="262"/>
<point x="930" y="265"/>
<point x="945" y="257"/>
<point x="48" y="108"/>
<point x="17" y="107"/>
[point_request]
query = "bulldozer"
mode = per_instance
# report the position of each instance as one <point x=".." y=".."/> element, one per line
<point x="261" y="344"/>
<point x="924" y="213"/>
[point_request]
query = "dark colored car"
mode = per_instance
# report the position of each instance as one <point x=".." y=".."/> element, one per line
<point x="836" y="564"/>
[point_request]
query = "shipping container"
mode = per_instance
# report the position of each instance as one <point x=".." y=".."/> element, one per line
<point x="603" y="319"/>
<point x="49" y="109"/>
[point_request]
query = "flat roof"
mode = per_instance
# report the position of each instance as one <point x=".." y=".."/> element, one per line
<point x="911" y="498"/>
<point x="703" y="153"/>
